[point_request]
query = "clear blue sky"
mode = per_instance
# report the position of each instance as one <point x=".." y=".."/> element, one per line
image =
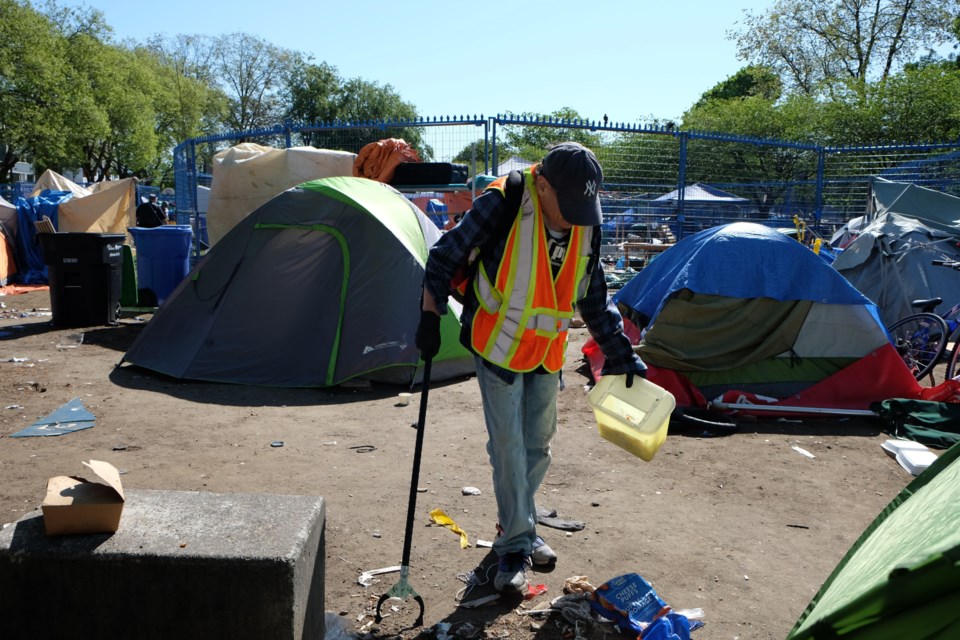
<point x="632" y="60"/>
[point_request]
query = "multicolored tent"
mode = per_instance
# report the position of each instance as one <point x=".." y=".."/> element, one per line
<point x="741" y="313"/>
<point x="318" y="286"/>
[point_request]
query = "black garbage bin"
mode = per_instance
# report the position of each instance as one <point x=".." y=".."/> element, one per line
<point x="84" y="271"/>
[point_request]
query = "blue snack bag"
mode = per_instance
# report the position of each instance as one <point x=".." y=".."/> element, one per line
<point x="629" y="601"/>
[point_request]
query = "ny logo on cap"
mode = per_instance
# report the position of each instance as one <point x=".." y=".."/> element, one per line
<point x="591" y="188"/>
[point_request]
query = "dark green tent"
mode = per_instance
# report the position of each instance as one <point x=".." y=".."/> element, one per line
<point x="901" y="579"/>
<point x="318" y="286"/>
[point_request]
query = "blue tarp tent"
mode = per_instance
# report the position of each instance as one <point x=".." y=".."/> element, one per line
<point x="31" y="267"/>
<point x="744" y="309"/>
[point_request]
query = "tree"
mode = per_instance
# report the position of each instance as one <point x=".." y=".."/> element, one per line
<point x="253" y="73"/>
<point x="812" y="43"/>
<point x="531" y="142"/>
<point x="917" y="105"/>
<point x="188" y="103"/>
<point x="114" y="132"/>
<point x="319" y="96"/>
<point x="474" y="153"/>
<point x="34" y="88"/>
<point x="749" y="81"/>
<point x="775" y="169"/>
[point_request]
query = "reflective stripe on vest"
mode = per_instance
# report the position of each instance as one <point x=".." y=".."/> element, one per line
<point x="524" y="313"/>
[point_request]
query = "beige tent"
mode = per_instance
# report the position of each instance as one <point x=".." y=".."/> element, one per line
<point x="248" y="175"/>
<point x="105" y="207"/>
<point x="8" y="216"/>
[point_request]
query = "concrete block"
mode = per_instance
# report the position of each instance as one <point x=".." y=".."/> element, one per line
<point x="182" y="565"/>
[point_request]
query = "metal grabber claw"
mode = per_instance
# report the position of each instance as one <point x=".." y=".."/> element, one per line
<point x="402" y="588"/>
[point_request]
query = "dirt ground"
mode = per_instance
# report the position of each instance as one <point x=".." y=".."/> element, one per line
<point x="744" y="527"/>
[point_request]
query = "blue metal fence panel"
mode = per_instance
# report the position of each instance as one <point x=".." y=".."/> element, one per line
<point x="654" y="176"/>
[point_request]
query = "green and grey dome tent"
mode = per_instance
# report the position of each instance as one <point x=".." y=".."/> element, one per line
<point x="318" y="286"/>
<point x="901" y="579"/>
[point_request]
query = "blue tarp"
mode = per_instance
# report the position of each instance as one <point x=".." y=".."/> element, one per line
<point x="31" y="267"/>
<point x="738" y="260"/>
<point x="70" y="417"/>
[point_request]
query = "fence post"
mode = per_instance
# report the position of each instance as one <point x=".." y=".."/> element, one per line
<point x="681" y="183"/>
<point x="495" y="161"/>
<point x="818" y="198"/>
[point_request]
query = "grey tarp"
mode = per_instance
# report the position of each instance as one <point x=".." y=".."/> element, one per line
<point x="890" y="262"/>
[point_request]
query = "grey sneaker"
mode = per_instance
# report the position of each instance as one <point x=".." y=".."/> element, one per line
<point x="512" y="573"/>
<point x="542" y="553"/>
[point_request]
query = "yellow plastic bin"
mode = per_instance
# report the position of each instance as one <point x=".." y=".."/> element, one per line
<point x="634" y="419"/>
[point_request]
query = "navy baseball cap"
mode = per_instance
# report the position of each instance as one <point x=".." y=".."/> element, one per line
<point x="573" y="171"/>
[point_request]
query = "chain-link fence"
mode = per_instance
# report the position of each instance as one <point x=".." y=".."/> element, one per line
<point x="660" y="183"/>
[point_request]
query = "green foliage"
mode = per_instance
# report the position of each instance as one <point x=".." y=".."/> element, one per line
<point x="318" y="95"/>
<point x="33" y="79"/>
<point x="531" y="143"/>
<point x="253" y="74"/>
<point x="473" y="155"/>
<point x="918" y="105"/>
<point x="812" y="44"/>
<point x="751" y="81"/>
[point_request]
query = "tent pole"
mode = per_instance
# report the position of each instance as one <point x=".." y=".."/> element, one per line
<point x="733" y="406"/>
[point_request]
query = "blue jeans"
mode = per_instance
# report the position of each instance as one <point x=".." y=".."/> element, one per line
<point x="521" y="420"/>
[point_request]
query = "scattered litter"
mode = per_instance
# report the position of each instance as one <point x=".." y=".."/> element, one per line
<point x="332" y="443"/>
<point x="119" y="447"/>
<point x="70" y="341"/>
<point x="442" y="629"/>
<point x="468" y="630"/>
<point x="548" y="518"/>
<point x="912" y="456"/>
<point x="364" y="448"/>
<point x="631" y="603"/>
<point x="535" y="590"/>
<point x="70" y="417"/>
<point x="802" y="451"/>
<point x="15" y="359"/>
<point x="444" y="520"/>
<point x="13" y="406"/>
<point x="366" y="578"/>
<point x="484" y="543"/>
<point x="421" y="489"/>
<point x="471" y="491"/>
<point x="335" y="627"/>
<point x="276" y="443"/>
<point x="578" y="584"/>
<point x="479" y="602"/>
<point x="480" y="579"/>
<point x="798" y="526"/>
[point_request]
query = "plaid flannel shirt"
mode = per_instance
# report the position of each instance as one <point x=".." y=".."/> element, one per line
<point x="598" y="312"/>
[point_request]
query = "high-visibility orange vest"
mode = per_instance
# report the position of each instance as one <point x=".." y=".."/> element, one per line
<point x="524" y="312"/>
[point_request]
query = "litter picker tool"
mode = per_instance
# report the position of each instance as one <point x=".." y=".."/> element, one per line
<point x="402" y="588"/>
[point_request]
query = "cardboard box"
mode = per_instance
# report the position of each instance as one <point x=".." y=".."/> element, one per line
<point x="76" y="505"/>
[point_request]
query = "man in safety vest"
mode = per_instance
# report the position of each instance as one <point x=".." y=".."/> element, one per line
<point x="519" y="303"/>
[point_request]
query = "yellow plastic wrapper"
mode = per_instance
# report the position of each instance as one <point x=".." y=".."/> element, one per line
<point x="444" y="520"/>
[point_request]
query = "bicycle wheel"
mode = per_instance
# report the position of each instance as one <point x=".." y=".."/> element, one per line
<point x="920" y="339"/>
<point x="953" y="363"/>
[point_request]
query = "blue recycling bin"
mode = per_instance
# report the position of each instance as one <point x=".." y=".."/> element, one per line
<point x="163" y="260"/>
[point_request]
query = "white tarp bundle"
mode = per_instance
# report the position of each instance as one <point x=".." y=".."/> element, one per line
<point x="248" y="175"/>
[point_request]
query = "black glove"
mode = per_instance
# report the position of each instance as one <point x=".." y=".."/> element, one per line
<point x="428" y="335"/>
